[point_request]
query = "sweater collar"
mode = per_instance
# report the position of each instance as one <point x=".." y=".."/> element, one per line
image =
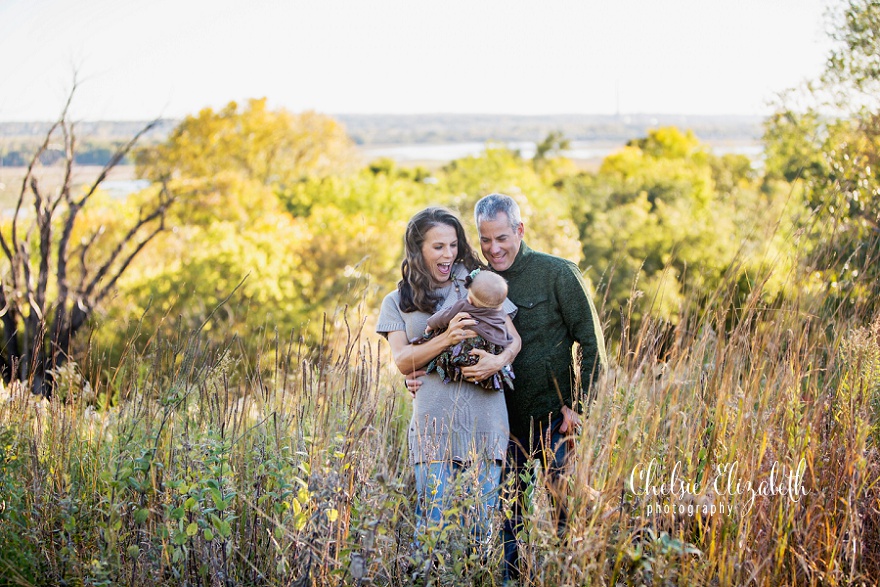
<point x="519" y="263"/>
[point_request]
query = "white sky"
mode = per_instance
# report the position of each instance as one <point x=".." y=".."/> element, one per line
<point x="146" y="58"/>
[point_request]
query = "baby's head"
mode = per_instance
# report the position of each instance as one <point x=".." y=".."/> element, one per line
<point x="487" y="290"/>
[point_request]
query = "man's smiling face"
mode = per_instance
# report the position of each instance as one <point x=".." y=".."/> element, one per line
<point x="500" y="241"/>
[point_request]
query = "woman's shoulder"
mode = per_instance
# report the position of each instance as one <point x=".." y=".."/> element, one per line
<point x="393" y="297"/>
<point x="391" y="307"/>
<point x="391" y="317"/>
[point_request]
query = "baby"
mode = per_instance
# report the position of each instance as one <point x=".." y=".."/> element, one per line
<point x="486" y="294"/>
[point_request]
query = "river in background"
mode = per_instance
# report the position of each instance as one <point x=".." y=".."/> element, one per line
<point x="586" y="151"/>
<point x="587" y="154"/>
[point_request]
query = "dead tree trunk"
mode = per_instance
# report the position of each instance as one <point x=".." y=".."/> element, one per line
<point x="49" y="286"/>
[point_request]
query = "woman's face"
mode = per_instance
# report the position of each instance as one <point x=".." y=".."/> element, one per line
<point x="439" y="251"/>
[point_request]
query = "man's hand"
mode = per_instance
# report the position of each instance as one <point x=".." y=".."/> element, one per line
<point x="413" y="383"/>
<point x="571" y="421"/>
<point x="487" y="366"/>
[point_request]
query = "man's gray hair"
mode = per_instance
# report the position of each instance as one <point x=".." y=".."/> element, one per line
<point x="489" y="206"/>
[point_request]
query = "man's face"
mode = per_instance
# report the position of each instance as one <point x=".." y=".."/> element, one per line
<point x="499" y="241"/>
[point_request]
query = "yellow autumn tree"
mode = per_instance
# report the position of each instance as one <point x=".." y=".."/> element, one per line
<point x="232" y="173"/>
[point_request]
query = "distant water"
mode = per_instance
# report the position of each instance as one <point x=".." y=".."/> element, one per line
<point x="579" y="150"/>
<point x="120" y="188"/>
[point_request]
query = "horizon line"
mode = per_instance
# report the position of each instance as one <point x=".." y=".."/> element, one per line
<point x="620" y="116"/>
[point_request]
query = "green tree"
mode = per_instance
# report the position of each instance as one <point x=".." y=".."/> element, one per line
<point x="552" y="146"/>
<point x="272" y="147"/>
<point x="663" y="223"/>
<point x="498" y="169"/>
<point x="271" y="199"/>
<point x="829" y="151"/>
<point x="854" y="63"/>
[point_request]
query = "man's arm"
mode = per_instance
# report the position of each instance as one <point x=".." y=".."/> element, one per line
<point x="582" y="320"/>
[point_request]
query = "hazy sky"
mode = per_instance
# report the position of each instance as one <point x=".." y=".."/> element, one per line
<point x="147" y="58"/>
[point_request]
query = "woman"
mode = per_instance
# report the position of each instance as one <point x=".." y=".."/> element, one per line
<point x="458" y="426"/>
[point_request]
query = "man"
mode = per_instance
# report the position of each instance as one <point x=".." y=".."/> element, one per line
<point x="555" y="312"/>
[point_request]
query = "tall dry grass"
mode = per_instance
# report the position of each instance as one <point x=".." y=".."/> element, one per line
<point x="290" y="468"/>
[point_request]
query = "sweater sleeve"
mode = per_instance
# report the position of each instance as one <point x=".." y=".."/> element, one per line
<point x="582" y="321"/>
<point x="390" y="316"/>
<point x="441" y="319"/>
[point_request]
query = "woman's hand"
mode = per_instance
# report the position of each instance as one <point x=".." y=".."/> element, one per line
<point x="413" y="357"/>
<point x="458" y="328"/>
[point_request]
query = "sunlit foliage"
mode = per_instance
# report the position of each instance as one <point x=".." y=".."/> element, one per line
<point x="664" y="222"/>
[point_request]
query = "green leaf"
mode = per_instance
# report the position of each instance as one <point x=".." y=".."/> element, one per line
<point x="217" y="498"/>
<point x="225" y="529"/>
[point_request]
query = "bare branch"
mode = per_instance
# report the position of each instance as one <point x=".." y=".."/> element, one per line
<point x="9" y="348"/>
<point x="5" y="246"/>
<point x="124" y="265"/>
<point x="13" y="245"/>
<point x="61" y="270"/>
<point x="26" y="269"/>
<point x="158" y="212"/>
<point x="44" y="225"/>
<point x="35" y="159"/>
<point x="35" y="308"/>
<point x="29" y="179"/>
<point x="114" y="161"/>
<point x="66" y="231"/>
<point x="69" y="155"/>
<point x="83" y="251"/>
<point x="38" y="291"/>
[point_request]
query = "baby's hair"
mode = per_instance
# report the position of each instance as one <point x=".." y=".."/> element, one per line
<point x="488" y="289"/>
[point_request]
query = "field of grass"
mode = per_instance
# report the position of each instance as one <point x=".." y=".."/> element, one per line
<point x="711" y="456"/>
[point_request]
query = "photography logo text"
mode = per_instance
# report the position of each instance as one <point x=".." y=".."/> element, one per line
<point x="670" y="492"/>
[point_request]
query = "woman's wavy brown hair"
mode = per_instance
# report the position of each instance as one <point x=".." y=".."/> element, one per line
<point x="415" y="288"/>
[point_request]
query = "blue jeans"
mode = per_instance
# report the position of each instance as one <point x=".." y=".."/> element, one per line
<point x="551" y="448"/>
<point x="435" y="482"/>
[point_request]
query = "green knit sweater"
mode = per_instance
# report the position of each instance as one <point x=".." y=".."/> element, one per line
<point x="555" y="311"/>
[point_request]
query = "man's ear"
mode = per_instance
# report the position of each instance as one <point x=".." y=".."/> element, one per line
<point x="521" y="229"/>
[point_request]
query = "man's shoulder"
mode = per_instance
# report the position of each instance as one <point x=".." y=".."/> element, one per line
<point x="549" y="261"/>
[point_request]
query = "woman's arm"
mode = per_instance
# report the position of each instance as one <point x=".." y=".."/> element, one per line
<point x="490" y="364"/>
<point x="412" y="357"/>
